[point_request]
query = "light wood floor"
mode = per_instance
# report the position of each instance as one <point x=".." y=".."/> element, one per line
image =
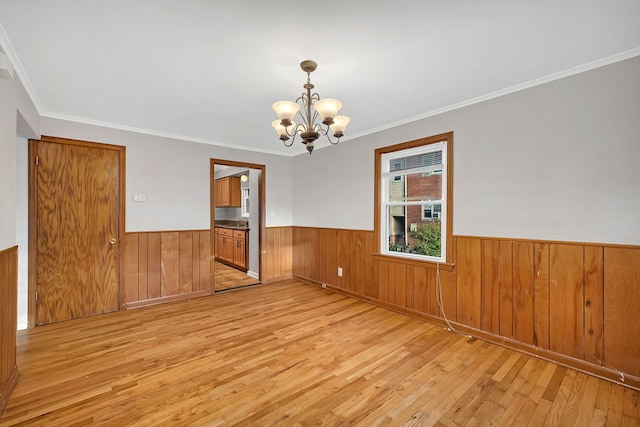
<point x="292" y="354"/>
<point x="227" y="277"/>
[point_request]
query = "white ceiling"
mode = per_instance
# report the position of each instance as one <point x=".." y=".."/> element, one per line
<point x="209" y="71"/>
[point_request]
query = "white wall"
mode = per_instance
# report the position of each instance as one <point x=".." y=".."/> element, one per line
<point x="17" y="115"/>
<point x="254" y="223"/>
<point x="174" y="176"/>
<point x="7" y="165"/>
<point x="22" y="227"/>
<point x="19" y="120"/>
<point x="559" y="161"/>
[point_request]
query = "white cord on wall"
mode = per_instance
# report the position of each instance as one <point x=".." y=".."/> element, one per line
<point x="441" y="304"/>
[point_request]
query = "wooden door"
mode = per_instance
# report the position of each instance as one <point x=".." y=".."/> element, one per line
<point x="78" y="209"/>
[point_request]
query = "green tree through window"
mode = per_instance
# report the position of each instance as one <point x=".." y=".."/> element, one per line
<point x="427" y="239"/>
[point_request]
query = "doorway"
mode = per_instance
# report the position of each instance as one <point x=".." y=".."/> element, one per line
<point x="237" y="223"/>
<point x="76" y="218"/>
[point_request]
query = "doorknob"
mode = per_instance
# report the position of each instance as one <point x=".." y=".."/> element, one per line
<point x="112" y="241"/>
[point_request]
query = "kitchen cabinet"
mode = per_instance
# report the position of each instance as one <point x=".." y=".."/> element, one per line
<point x="231" y="247"/>
<point x="240" y="249"/>
<point x="224" y="244"/>
<point x="227" y="192"/>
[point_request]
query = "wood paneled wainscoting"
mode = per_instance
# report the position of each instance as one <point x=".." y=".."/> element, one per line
<point x="572" y="303"/>
<point x="278" y="255"/>
<point x="9" y="322"/>
<point x="166" y="266"/>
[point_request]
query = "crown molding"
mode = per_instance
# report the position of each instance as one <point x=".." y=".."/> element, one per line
<point x="517" y="88"/>
<point x="81" y="120"/>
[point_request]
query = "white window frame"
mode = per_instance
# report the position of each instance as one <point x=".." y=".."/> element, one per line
<point x="387" y="178"/>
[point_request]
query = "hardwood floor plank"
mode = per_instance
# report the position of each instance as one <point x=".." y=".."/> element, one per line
<point x="587" y="400"/>
<point x="227" y="277"/>
<point x="631" y="405"/>
<point x="291" y="354"/>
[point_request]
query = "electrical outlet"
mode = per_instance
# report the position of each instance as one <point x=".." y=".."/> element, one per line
<point x="339" y="271"/>
<point x="324" y="285"/>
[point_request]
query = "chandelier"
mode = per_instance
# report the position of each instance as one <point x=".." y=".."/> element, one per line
<point x="312" y="107"/>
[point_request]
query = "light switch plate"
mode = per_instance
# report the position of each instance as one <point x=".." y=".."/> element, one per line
<point x="139" y="197"/>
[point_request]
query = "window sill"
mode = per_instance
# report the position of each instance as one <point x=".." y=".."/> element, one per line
<point x="443" y="266"/>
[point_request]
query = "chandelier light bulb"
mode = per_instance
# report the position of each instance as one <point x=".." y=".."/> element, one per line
<point x="281" y="130"/>
<point x="327" y="108"/>
<point x="286" y="110"/>
<point x="339" y="125"/>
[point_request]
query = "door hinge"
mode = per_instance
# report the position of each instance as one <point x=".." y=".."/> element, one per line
<point x="36" y="296"/>
<point x="37" y="160"/>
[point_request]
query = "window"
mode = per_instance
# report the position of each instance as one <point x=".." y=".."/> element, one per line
<point x="245" y="202"/>
<point x="413" y="212"/>
<point x="431" y="212"/>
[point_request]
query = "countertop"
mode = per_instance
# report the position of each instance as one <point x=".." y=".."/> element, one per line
<point x="234" y="225"/>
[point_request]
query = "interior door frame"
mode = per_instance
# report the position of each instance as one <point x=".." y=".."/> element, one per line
<point x="261" y="211"/>
<point x="33" y="238"/>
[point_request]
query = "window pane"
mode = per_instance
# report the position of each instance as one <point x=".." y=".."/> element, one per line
<point x="408" y="232"/>
<point x="396" y="190"/>
<point x="397" y="234"/>
<point x="416" y="187"/>
<point x="245" y="202"/>
<point x="425" y="238"/>
<point x="424" y="186"/>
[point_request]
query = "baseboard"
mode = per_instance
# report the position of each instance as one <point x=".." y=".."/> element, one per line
<point x="162" y="300"/>
<point x="253" y="274"/>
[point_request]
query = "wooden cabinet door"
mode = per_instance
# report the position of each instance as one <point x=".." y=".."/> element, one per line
<point x="224" y="192"/>
<point x="227" y="192"/>
<point x="224" y="245"/>
<point x="218" y="192"/>
<point x="227" y="249"/>
<point x="239" y="253"/>
<point x="235" y="193"/>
